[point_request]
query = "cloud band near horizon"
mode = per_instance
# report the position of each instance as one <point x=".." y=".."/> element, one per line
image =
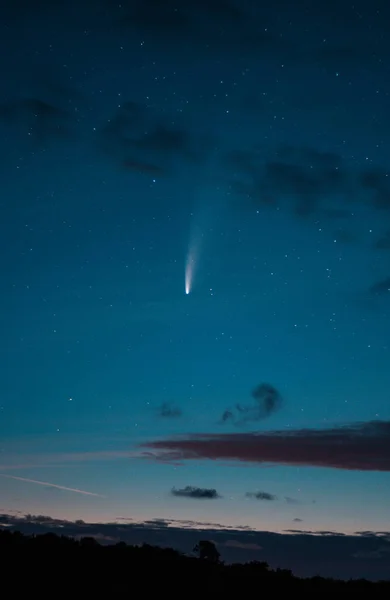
<point x="355" y="447"/>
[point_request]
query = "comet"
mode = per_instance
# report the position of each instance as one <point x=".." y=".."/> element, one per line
<point x="189" y="272"/>
<point x="201" y="220"/>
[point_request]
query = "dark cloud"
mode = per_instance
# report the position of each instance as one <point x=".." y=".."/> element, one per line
<point x="322" y="533"/>
<point x="268" y="397"/>
<point x="242" y="545"/>
<point x="126" y="120"/>
<point x="234" y="27"/>
<point x="20" y="9"/>
<point x="195" y="492"/>
<point x="290" y="500"/>
<point x="310" y="156"/>
<point x="377" y="183"/>
<point x="380" y="552"/>
<point x="139" y="140"/>
<point x="261" y="496"/>
<point x="204" y="25"/>
<point x="306" y="177"/>
<point x="301" y="177"/>
<point x="243" y="161"/>
<point x="160" y="19"/>
<point x="169" y="411"/>
<point x="187" y="18"/>
<point x="381" y="287"/>
<point x="345" y="236"/>
<point x="40" y="119"/>
<point x="309" y="183"/>
<point x="143" y="168"/>
<point x="227" y="26"/>
<point x="359" y="446"/>
<point x="227" y="10"/>
<point x="162" y="139"/>
<point x="383" y="243"/>
<point x="267" y="400"/>
<point x="329" y="554"/>
<point x="336" y="213"/>
<point x="297" y="520"/>
<point x="116" y="136"/>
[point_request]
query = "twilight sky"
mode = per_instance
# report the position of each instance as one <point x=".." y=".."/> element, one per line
<point x="247" y="148"/>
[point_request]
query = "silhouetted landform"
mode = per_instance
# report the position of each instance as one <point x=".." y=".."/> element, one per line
<point x="60" y="563"/>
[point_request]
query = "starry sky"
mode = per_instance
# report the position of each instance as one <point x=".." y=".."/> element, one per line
<point x="232" y="151"/>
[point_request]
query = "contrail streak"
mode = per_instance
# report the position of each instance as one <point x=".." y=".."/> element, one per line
<point x="54" y="485"/>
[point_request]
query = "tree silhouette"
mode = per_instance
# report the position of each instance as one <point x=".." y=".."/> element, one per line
<point x="207" y="550"/>
<point x="103" y="569"/>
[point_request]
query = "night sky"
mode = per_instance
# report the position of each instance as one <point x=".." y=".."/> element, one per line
<point x="236" y="152"/>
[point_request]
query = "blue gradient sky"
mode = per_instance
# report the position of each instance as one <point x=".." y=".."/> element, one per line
<point x="96" y="330"/>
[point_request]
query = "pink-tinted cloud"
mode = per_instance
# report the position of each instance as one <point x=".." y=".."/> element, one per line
<point x="359" y="446"/>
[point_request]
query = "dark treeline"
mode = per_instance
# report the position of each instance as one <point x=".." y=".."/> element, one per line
<point x="54" y="563"/>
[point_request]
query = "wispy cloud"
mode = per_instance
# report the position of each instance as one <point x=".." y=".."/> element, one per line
<point x="169" y="411"/>
<point x="195" y="492"/>
<point x="265" y="401"/>
<point x="381" y="287"/>
<point x="261" y="496"/>
<point x="356" y="446"/>
<point x="53" y="485"/>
